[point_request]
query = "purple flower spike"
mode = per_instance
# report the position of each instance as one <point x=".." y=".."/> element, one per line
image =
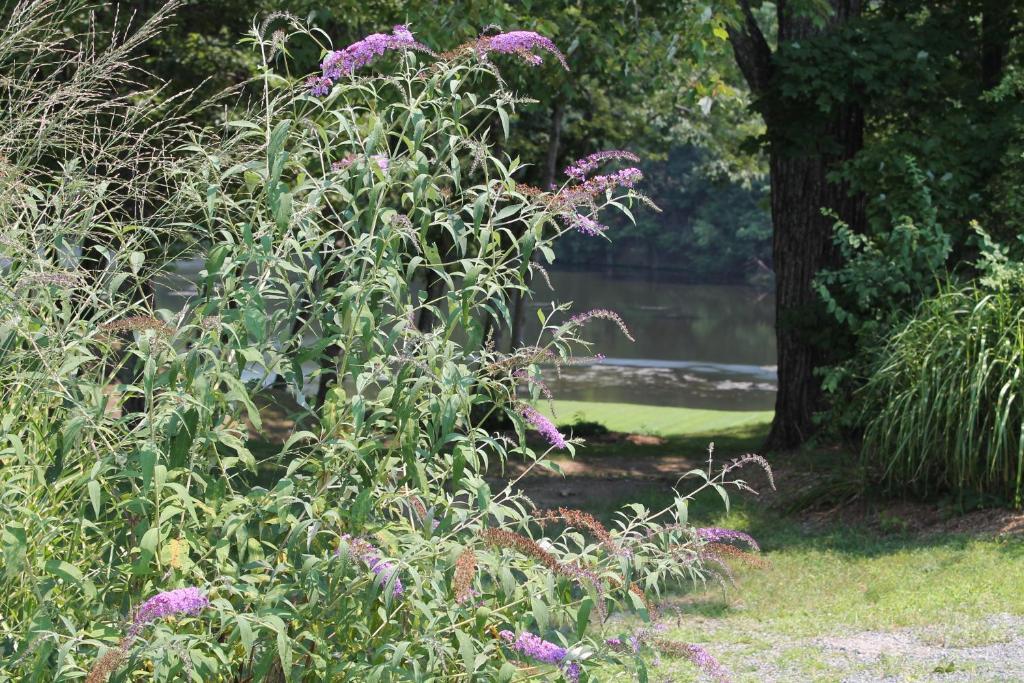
<point x="604" y="314"/>
<point x="706" y="662"/>
<point x="360" y="53"/>
<point x="627" y="177"/>
<point x="541" y="650"/>
<point x="582" y="168"/>
<point x="544" y="426"/>
<point x="520" y="43"/>
<point x="586" y="225"/>
<point x="178" y="601"/>
<point x="717" y="534"/>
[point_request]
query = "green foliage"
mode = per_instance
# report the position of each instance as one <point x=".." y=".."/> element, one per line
<point x="126" y="465"/>
<point x="942" y="409"/>
<point x="711" y="229"/>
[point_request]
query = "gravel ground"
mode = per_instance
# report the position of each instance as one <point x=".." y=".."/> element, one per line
<point x="989" y="650"/>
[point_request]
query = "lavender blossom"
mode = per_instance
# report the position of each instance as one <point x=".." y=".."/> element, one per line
<point x="627" y="177"/>
<point x="370" y="556"/>
<point x="604" y="314"/>
<point x="319" y="85"/>
<point x="382" y="161"/>
<point x="586" y="225"/>
<point x="706" y="662"/>
<point x="583" y="167"/>
<point x="520" y="43"/>
<point x="544" y="426"/>
<point x="717" y="535"/>
<point x="541" y="650"/>
<point x="178" y="601"/>
<point x="340" y="63"/>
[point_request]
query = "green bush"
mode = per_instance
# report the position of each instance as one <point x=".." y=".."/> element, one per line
<point x="368" y="546"/>
<point x="943" y="408"/>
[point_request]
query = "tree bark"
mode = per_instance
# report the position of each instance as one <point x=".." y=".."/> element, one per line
<point x="800" y="189"/>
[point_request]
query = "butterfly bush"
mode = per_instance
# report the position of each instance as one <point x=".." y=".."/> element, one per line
<point x="359" y="235"/>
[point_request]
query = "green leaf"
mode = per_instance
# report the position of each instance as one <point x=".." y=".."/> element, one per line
<point x="467" y="649"/>
<point x="94" y="496"/>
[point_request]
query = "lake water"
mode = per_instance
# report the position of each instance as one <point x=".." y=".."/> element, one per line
<point x="697" y="346"/>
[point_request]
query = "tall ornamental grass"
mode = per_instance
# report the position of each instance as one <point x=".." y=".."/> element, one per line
<point x="943" y="409"/>
<point x="147" y="535"/>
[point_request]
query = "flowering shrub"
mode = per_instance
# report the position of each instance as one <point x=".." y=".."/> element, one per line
<point x="367" y="545"/>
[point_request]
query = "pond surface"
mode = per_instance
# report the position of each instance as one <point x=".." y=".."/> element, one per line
<point x="697" y="346"/>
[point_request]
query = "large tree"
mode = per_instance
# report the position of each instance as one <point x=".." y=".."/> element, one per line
<point x="805" y="146"/>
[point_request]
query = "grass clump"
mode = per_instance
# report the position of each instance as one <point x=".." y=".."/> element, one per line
<point x="944" y="408"/>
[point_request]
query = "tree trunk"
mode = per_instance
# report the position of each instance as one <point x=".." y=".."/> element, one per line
<point x="800" y="189"/>
<point x="997" y="23"/>
<point x="801" y="246"/>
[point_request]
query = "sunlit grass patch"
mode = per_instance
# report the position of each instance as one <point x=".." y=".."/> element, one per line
<point x="656" y="420"/>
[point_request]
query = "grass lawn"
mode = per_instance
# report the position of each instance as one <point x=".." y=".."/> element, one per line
<point x="840" y="601"/>
<point x="656" y="420"/>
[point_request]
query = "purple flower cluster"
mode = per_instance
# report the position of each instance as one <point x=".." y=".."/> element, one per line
<point x="382" y="160"/>
<point x="603" y="314"/>
<point x="718" y="535"/>
<point x="340" y="63"/>
<point x="706" y="662"/>
<point x="543" y="425"/>
<point x="520" y="43"/>
<point x="541" y="650"/>
<point x="370" y="556"/>
<point x="178" y="601"/>
<point x="586" y="225"/>
<point x="627" y="177"/>
<point x="582" y="168"/>
<point x="319" y="85"/>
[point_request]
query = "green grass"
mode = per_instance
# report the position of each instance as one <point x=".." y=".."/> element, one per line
<point x="656" y="420"/>
<point x="835" y="581"/>
<point x="826" y="580"/>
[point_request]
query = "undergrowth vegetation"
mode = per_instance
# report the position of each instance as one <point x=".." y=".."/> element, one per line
<point x="943" y="408"/>
<point x="138" y="541"/>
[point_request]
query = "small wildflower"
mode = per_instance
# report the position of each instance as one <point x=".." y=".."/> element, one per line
<point x="602" y="314"/>
<point x="382" y="161"/>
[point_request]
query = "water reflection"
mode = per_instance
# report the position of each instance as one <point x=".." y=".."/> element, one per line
<point x="697" y="346"/>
